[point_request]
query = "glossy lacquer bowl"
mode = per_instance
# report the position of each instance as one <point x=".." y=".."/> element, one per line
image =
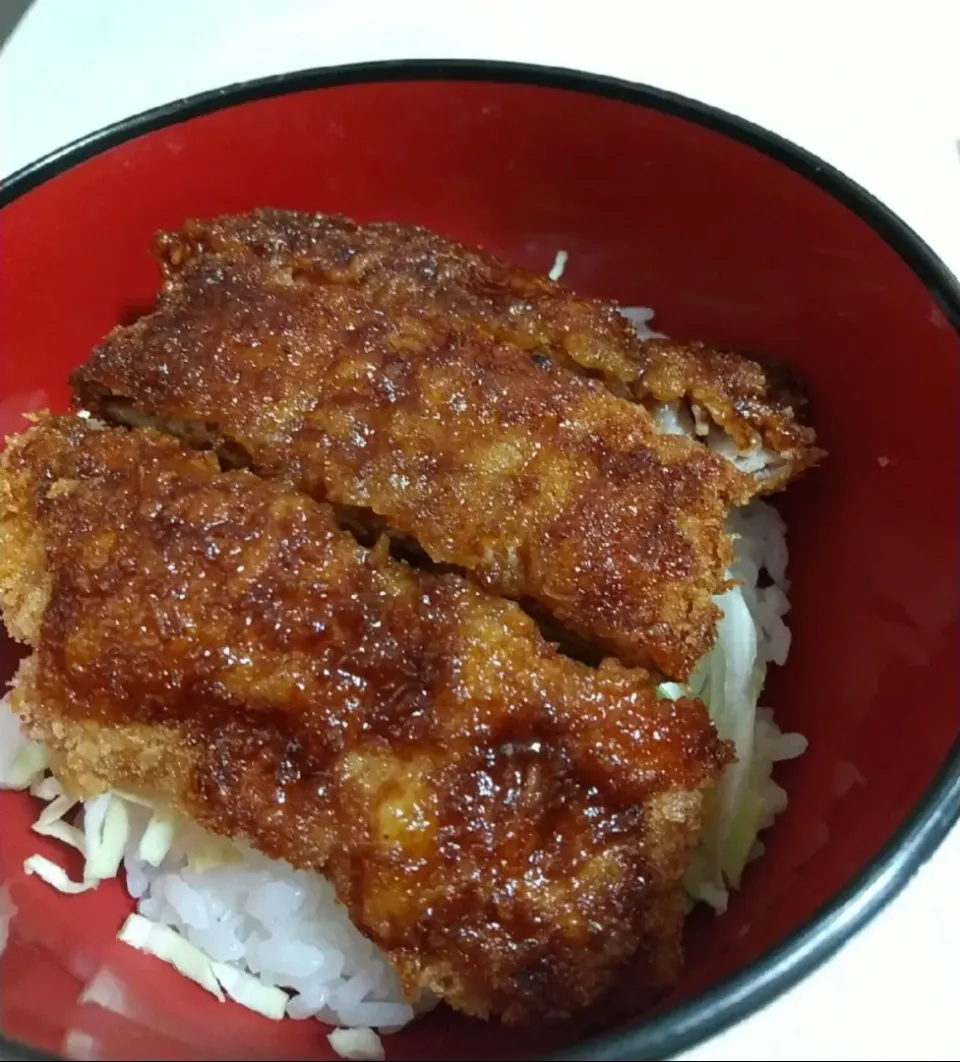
<point x="733" y="236"/>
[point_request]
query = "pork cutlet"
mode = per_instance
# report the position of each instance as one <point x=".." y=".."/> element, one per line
<point x="390" y="372"/>
<point x="508" y="825"/>
<point x="408" y="270"/>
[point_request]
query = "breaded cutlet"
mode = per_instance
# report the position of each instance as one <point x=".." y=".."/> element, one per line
<point x="510" y="826"/>
<point x="408" y="270"/>
<point x="366" y="389"/>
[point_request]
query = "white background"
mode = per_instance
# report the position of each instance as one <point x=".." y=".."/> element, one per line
<point x="873" y="87"/>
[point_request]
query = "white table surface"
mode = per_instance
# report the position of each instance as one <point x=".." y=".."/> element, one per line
<point x="873" y="88"/>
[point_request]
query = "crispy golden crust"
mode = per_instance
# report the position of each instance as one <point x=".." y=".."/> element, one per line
<point x="494" y="458"/>
<point x="411" y="271"/>
<point x="509" y="825"/>
<point x="757" y="406"/>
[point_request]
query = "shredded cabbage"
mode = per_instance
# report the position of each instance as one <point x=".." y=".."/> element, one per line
<point x="157" y="839"/>
<point x="728" y="681"/>
<point x="250" y="992"/>
<point x="217" y="978"/>
<point x="46" y="788"/>
<point x="729" y="697"/>
<point x="671" y="690"/>
<point x="559" y="265"/>
<point x="54" y="875"/>
<point x="29" y="763"/>
<point x="167" y="944"/>
<point x="51" y="824"/>
<point x="106" y="839"/>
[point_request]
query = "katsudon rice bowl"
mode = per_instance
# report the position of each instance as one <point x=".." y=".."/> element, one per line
<point x="462" y="625"/>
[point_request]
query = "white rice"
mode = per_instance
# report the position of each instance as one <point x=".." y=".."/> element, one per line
<point x="243" y="911"/>
<point x="285" y="927"/>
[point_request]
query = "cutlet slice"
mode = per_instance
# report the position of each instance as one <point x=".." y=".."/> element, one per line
<point x="749" y="412"/>
<point x="496" y="460"/>
<point x="744" y="411"/>
<point x="508" y="825"/>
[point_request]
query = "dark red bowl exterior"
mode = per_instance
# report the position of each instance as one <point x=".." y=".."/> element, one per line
<point x="734" y="236"/>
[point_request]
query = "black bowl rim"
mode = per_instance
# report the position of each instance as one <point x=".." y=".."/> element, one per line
<point x="690" y="1023"/>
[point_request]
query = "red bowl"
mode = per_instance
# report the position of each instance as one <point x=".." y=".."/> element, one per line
<point x="736" y="237"/>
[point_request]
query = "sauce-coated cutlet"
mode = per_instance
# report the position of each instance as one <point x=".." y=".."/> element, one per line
<point x="509" y="825"/>
<point x="412" y="271"/>
<point x="374" y="367"/>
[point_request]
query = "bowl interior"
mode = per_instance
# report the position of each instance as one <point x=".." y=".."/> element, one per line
<point x="728" y="245"/>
